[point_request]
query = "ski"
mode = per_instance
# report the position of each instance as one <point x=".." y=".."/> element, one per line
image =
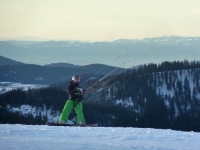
<point x="71" y="125"/>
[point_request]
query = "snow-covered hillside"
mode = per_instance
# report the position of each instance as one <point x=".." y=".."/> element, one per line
<point x="167" y="83"/>
<point x="8" y="86"/>
<point x="52" y="116"/>
<point x="164" y="88"/>
<point x="17" y="137"/>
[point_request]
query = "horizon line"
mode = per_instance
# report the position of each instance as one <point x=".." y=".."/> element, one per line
<point x="38" y="39"/>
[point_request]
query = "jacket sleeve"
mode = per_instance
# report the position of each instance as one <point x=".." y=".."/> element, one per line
<point x="71" y="90"/>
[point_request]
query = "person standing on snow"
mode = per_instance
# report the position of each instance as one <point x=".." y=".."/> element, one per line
<point x="75" y="97"/>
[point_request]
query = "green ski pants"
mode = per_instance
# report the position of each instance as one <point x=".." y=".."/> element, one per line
<point x="68" y="107"/>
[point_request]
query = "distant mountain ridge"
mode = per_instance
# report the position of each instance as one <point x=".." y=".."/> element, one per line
<point x="7" y="61"/>
<point x="122" y="52"/>
<point x="62" y="65"/>
<point x="35" y="74"/>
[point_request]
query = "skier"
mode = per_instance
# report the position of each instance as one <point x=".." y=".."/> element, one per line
<point x="75" y="97"/>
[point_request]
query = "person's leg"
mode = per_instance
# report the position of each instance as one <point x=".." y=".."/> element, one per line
<point x="66" y="111"/>
<point x="79" y="111"/>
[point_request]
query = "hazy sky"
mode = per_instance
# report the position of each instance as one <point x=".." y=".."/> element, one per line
<point x="98" y="20"/>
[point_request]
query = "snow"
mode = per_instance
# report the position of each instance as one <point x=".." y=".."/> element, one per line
<point x="8" y="86"/>
<point x="23" y="109"/>
<point x="127" y="102"/>
<point x="52" y="115"/>
<point x="163" y="90"/>
<point x="99" y="138"/>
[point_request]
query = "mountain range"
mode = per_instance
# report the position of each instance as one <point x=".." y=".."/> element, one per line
<point x="62" y="65"/>
<point x="14" y="71"/>
<point x="123" y="53"/>
<point x="6" y="61"/>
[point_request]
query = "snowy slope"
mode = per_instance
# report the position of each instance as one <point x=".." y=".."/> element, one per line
<point x="166" y="86"/>
<point x="180" y="76"/>
<point x="52" y="116"/>
<point x="17" y="137"/>
<point x="8" y="86"/>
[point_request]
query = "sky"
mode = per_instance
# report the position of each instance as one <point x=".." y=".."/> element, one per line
<point x="98" y="20"/>
<point x="31" y="137"/>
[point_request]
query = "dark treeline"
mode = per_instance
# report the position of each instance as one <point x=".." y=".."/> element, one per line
<point x="52" y="98"/>
<point x="168" y="66"/>
<point x="162" y="95"/>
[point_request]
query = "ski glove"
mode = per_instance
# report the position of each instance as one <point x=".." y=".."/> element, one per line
<point x="81" y="90"/>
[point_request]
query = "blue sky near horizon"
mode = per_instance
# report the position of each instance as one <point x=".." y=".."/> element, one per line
<point x="98" y="20"/>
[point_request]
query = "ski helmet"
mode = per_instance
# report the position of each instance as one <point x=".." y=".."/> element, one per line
<point x="76" y="77"/>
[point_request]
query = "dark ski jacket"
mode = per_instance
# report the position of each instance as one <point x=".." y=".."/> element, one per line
<point x="74" y="94"/>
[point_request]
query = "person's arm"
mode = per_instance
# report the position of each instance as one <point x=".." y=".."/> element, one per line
<point x="73" y="91"/>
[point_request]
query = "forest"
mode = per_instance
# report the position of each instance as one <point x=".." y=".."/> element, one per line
<point x="165" y="96"/>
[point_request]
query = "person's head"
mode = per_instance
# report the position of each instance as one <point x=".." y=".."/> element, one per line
<point x="76" y="78"/>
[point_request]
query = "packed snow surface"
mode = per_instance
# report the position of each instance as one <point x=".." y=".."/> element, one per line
<point x="43" y="137"/>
